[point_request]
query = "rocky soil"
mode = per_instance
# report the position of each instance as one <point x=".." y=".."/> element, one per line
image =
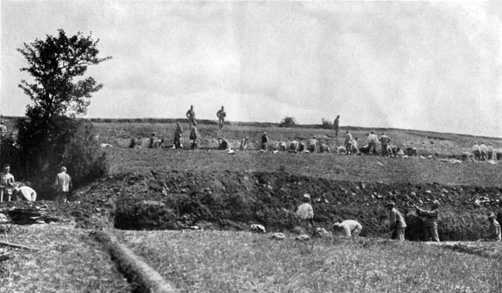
<point x="234" y="200"/>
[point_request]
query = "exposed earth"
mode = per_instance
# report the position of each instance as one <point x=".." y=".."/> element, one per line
<point x="235" y="200"/>
<point x="168" y="189"/>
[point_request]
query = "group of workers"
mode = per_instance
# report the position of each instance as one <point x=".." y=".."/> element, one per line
<point x="482" y="152"/>
<point x="10" y="189"/>
<point x="397" y="223"/>
<point x="194" y="135"/>
<point x="350" y="145"/>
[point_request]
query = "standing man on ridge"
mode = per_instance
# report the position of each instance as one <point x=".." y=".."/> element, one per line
<point x="348" y="142"/>
<point x="385" y="140"/>
<point x="483" y="151"/>
<point x="476" y="151"/>
<point x="489" y="151"/>
<point x="177" y="135"/>
<point x="336" y="125"/>
<point x="191" y="116"/>
<point x="221" y="117"/>
<point x="194" y="136"/>
<point x="264" y="142"/>
<point x="372" y="143"/>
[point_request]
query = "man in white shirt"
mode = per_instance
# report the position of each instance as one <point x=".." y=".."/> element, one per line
<point x="372" y="142"/>
<point x="348" y="142"/>
<point x="293" y="146"/>
<point x="476" y="151"/>
<point x="484" y="150"/>
<point x="312" y="147"/>
<point x="306" y="213"/>
<point x="350" y="228"/>
<point x="25" y="193"/>
<point x="63" y="185"/>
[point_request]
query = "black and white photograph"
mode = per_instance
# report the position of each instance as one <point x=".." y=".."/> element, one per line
<point x="250" y="146"/>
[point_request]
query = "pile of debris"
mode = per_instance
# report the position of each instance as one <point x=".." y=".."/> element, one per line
<point x="26" y="215"/>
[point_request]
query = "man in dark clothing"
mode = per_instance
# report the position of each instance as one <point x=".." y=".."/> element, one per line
<point x="177" y="136"/>
<point x="385" y="140"/>
<point x="493" y="229"/>
<point x="431" y="218"/>
<point x="264" y="141"/>
<point x="221" y="117"/>
<point x="191" y="117"/>
<point x="397" y="222"/>
<point x="194" y="136"/>
<point x="336" y="125"/>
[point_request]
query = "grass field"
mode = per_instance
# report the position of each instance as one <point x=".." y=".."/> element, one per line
<point x="65" y="260"/>
<point x="219" y="261"/>
<point x="446" y="144"/>
<point x="211" y="261"/>
<point x="321" y="165"/>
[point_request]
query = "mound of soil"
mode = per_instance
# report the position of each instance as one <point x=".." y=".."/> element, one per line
<point x="234" y="200"/>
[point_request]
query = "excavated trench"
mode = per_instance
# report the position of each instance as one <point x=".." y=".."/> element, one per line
<point x="233" y="200"/>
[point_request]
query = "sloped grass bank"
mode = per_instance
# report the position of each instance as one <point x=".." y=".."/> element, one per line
<point x="234" y="200"/>
<point x="318" y="165"/>
<point x="65" y="260"/>
<point x="222" y="261"/>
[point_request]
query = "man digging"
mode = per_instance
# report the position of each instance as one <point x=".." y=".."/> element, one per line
<point x="431" y="218"/>
<point x="397" y="223"/>
<point x="306" y="213"/>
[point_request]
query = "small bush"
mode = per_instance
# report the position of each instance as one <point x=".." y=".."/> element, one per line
<point x="288" y="122"/>
<point x="70" y="143"/>
<point x="326" y="124"/>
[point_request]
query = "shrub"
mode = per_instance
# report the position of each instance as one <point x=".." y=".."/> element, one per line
<point x="288" y="122"/>
<point x="326" y="124"/>
<point x="72" y="144"/>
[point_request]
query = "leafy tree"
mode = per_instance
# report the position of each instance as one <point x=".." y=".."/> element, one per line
<point x="55" y="63"/>
<point x="288" y="122"/>
<point x="59" y="93"/>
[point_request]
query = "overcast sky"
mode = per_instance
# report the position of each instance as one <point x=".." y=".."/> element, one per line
<point x="420" y="65"/>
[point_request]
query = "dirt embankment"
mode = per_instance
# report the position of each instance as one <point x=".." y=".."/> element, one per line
<point x="233" y="200"/>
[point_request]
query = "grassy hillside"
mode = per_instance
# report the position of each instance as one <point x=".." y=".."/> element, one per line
<point x="444" y="144"/>
<point x="319" y="165"/>
<point x="201" y="261"/>
<point x="402" y="180"/>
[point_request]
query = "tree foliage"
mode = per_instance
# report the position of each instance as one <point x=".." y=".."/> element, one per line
<point x="51" y="135"/>
<point x="54" y="64"/>
<point x="288" y="122"/>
